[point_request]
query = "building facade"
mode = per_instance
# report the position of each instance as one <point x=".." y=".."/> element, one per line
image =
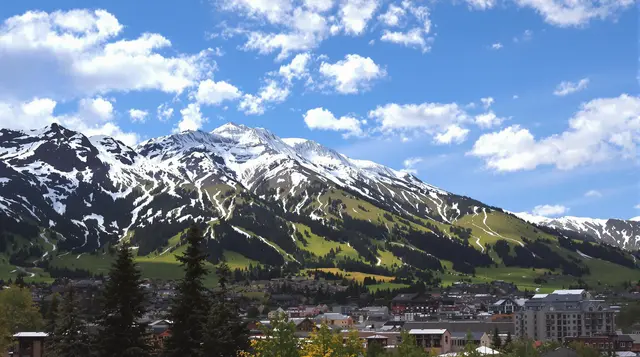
<point x="564" y="314"/>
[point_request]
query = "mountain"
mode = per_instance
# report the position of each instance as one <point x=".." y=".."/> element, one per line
<point x="621" y="233"/>
<point x="67" y="199"/>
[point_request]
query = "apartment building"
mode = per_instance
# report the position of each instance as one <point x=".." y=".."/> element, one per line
<point x="563" y="314"/>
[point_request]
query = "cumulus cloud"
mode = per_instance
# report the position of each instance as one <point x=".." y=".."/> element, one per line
<point x="575" y="13"/>
<point x="414" y="38"/>
<point x="567" y="87"/>
<point x="603" y="129"/>
<point x="297" y="68"/>
<point x="549" y="210"/>
<point x="323" y="119"/>
<point x="138" y="115"/>
<point x="164" y="112"/>
<point x="210" y="92"/>
<point x="355" y="14"/>
<point x="481" y="4"/>
<point x="488" y="120"/>
<point x="271" y="92"/>
<point x="393" y="16"/>
<point x="496" y="46"/>
<point x="94" y="116"/>
<point x="453" y="134"/>
<point x="351" y="75"/>
<point x="593" y="193"/>
<point x="192" y="118"/>
<point x="67" y="54"/>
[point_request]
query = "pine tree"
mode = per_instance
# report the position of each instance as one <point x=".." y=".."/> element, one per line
<point x="69" y="337"/>
<point x="120" y="333"/>
<point x="225" y="333"/>
<point x="508" y="342"/>
<point x="189" y="308"/>
<point x="52" y="314"/>
<point x="496" y="343"/>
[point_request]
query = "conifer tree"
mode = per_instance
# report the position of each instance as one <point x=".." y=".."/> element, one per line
<point x="496" y="342"/>
<point x="69" y="337"/>
<point x="52" y="314"/>
<point x="225" y="334"/>
<point x="120" y="332"/>
<point x="189" y="309"/>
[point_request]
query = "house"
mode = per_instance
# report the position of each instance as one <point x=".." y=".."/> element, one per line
<point x="275" y="313"/>
<point x="438" y="340"/>
<point x="507" y="306"/>
<point x="459" y="340"/>
<point x="335" y="319"/>
<point x="303" y="324"/>
<point x="379" y="339"/>
<point x="29" y="344"/>
<point x="561" y="352"/>
<point x="414" y="303"/>
<point x="636" y="343"/>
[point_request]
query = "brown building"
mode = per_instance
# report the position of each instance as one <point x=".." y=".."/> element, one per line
<point x="414" y="303"/>
<point x="438" y="340"/>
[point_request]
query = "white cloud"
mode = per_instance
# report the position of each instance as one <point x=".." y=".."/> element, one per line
<point x="138" y="115"/>
<point x="453" y="134"/>
<point x="319" y="5"/>
<point x="323" y="119"/>
<point x="210" y="92"/>
<point x="593" y="193"/>
<point x="393" y="16"/>
<point x="575" y="13"/>
<point x="487" y="102"/>
<point x="566" y="87"/>
<point x="430" y="117"/>
<point x="67" y="54"/>
<point x="409" y="165"/>
<point x="527" y="35"/>
<point x="272" y="92"/>
<point x="164" y="112"/>
<point x="94" y="116"/>
<point x="515" y="96"/>
<point x="274" y="11"/>
<point x="353" y="74"/>
<point x="415" y="38"/>
<point x="549" y="210"/>
<point x="355" y="14"/>
<point x="287" y="43"/>
<point x="481" y="4"/>
<point x="603" y="129"/>
<point x="192" y="118"/>
<point x="496" y="46"/>
<point x="488" y="120"/>
<point x="297" y="68"/>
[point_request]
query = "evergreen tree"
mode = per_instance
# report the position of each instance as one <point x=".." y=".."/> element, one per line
<point x="189" y="309"/>
<point x="496" y="343"/>
<point x="408" y="346"/>
<point x="508" y="342"/>
<point x="120" y="333"/>
<point x="279" y="340"/>
<point x="69" y="337"/>
<point x="52" y="314"/>
<point x="225" y="334"/>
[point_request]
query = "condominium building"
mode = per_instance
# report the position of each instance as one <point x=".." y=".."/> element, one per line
<point x="563" y="314"/>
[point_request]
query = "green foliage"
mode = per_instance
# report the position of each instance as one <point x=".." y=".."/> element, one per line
<point x="584" y="350"/>
<point x="69" y="337"/>
<point x="628" y="315"/>
<point x="496" y="342"/>
<point x="52" y="314"/>
<point x="123" y="305"/>
<point x="225" y="334"/>
<point x="190" y="307"/>
<point x="408" y="346"/>
<point x="279" y="340"/>
<point x="18" y="313"/>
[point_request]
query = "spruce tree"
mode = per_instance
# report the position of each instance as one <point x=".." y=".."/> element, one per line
<point x="120" y="332"/>
<point x="189" y="308"/>
<point x="225" y="333"/>
<point x="496" y="342"/>
<point x="69" y="337"/>
<point x="52" y="314"/>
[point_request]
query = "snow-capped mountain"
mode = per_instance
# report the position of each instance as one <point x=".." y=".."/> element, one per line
<point x="621" y="233"/>
<point x="256" y="196"/>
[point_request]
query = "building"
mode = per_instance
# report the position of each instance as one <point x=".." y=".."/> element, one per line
<point x="438" y="340"/>
<point x="459" y="340"/>
<point x="606" y="343"/>
<point x="29" y="344"/>
<point x="507" y="306"/>
<point x="561" y="352"/>
<point x="414" y="303"/>
<point x="335" y="319"/>
<point x="563" y="314"/>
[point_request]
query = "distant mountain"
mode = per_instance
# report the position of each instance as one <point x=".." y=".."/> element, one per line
<point x="621" y="233"/>
<point x="66" y="199"/>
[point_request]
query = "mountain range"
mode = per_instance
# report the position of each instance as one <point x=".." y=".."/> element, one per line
<point x="67" y="199"/>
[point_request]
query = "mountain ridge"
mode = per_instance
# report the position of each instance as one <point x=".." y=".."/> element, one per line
<point x="292" y="200"/>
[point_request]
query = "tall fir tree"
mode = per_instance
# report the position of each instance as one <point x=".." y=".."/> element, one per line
<point x="120" y="332"/>
<point x="69" y="337"/>
<point x="496" y="341"/>
<point x="225" y="333"/>
<point x="52" y="314"/>
<point x="189" y="308"/>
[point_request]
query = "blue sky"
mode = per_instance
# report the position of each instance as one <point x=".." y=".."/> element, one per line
<point x="530" y="105"/>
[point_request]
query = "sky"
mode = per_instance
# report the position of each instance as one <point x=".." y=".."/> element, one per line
<point x="529" y="105"/>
